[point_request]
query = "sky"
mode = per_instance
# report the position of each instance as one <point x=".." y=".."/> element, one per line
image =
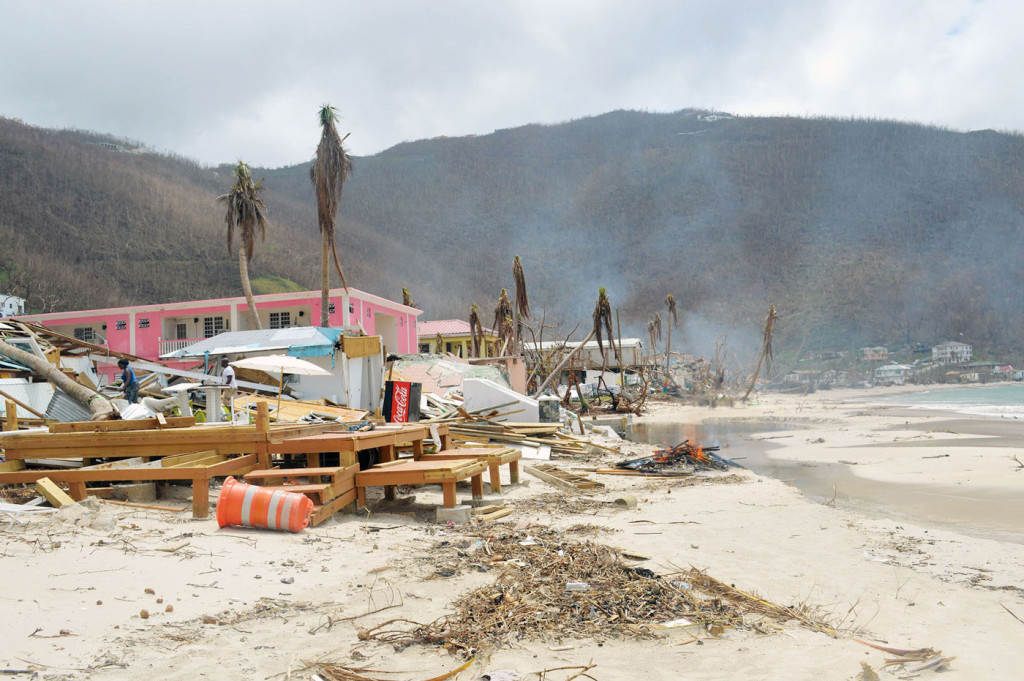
<point x="225" y="80"/>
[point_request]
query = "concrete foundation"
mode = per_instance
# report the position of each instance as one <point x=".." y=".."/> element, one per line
<point x="487" y="501"/>
<point x="138" y="493"/>
<point x="460" y="514"/>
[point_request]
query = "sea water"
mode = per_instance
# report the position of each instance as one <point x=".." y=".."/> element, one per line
<point x="995" y="401"/>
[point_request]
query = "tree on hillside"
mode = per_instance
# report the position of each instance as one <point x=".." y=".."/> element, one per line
<point x="247" y="214"/>
<point x="672" y="320"/>
<point x="522" y="302"/>
<point x="330" y="169"/>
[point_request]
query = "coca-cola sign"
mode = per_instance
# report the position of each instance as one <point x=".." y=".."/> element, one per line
<point x="400" y="402"/>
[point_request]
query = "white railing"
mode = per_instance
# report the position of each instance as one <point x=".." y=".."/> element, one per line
<point x="172" y="345"/>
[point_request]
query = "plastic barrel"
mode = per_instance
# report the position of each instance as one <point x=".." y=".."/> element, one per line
<point x="253" y="506"/>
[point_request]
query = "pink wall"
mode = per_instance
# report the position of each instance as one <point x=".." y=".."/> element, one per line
<point x="365" y="307"/>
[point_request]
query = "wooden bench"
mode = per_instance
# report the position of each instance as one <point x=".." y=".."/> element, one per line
<point x="494" y="457"/>
<point x="409" y="472"/>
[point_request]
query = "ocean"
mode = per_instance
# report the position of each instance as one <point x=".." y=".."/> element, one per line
<point x="994" y="401"/>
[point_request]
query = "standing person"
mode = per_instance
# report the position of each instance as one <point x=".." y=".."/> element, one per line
<point x="227" y="376"/>
<point x="129" y="382"/>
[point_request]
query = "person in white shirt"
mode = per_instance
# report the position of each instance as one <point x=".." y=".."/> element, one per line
<point x="227" y="394"/>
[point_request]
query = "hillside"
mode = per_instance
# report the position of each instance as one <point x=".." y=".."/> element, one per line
<point x="859" y="231"/>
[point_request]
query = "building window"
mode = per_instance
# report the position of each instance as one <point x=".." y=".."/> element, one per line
<point x="85" y="333"/>
<point x="212" y="326"/>
<point x="367" y="313"/>
<point x="144" y="323"/>
<point x="447" y="347"/>
<point x="121" y="324"/>
<point x="280" y="320"/>
<point x="181" y="331"/>
<point x="425" y="348"/>
<point x="330" y="309"/>
<point x="351" y="308"/>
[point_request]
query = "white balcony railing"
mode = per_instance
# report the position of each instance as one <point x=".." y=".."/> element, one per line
<point x="172" y="345"/>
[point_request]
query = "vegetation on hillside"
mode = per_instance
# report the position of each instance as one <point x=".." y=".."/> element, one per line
<point x="858" y="231"/>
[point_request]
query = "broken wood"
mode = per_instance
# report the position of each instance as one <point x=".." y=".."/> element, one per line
<point x="556" y="476"/>
<point x="57" y="497"/>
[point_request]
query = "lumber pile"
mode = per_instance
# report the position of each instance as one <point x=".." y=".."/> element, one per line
<point x="488" y="433"/>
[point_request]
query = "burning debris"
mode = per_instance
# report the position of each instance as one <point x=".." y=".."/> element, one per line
<point x="684" y="454"/>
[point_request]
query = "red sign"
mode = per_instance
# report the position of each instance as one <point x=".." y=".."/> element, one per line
<point x="400" y="402"/>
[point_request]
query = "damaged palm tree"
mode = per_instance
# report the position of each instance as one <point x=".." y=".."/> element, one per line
<point x="476" y="330"/>
<point x="672" y="320"/>
<point x="603" y="323"/>
<point x="247" y="214"/>
<point x="601" y="296"/>
<point x="503" y="324"/>
<point x="407" y="298"/>
<point x="522" y="303"/>
<point x="439" y="343"/>
<point x="99" y="406"/>
<point x="330" y="169"/>
<point x="766" y="348"/>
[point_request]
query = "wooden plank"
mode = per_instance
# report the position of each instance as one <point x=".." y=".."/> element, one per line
<point x="55" y="495"/>
<point x="497" y="514"/>
<point x="120" y="426"/>
<point x="236" y="466"/>
<point x="11" y="415"/>
<point x="177" y="459"/>
<point x="10" y="466"/>
<point x="151" y="507"/>
<point x="293" y="472"/>
<point x="208" y="460"/>
<point x="556" y="476"/>
<point x="322" y="513"/>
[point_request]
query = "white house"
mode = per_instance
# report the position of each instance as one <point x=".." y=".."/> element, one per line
<point x="952" y="353"/>
<point x="895" y="374"/>
<point x="11" y="305"/>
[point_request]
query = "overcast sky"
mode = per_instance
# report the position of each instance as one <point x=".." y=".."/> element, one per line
<point x="221" y="81"/>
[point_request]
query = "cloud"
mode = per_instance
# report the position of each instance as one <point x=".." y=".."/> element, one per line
<point x="228" y="80"/>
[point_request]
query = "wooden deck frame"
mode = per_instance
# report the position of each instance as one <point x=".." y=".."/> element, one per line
<point x="494" y="457"/>
<point x="406" y="472"/>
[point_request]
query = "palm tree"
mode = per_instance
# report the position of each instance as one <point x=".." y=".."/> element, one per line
<point x="673" y="320"/>
<point x="522" y="305"/>
<point x="330" y="168"/>
<point x="247" y="214"/>
<point x="766" y="347"/>
<point x="602" y="318"/>
<point x="503" y="323"/>
<point x="407" y="298"/>
<point x="476" y="330"/>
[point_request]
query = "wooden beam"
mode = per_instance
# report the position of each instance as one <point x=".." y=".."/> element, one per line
<point x="21" y="404"/>
<point x="119" y="426"/>
<point x="11" y="415"/>
<point x="55" y="495"/>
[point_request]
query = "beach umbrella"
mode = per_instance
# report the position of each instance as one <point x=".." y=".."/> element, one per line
<point x="281" y="365"/>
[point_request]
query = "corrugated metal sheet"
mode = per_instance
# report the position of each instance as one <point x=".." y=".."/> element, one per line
<point x="35" y="395"/>
<point x="66" y="409"/>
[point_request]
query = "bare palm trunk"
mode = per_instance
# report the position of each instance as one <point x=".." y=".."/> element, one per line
<point x="668" y="349"/>
<point x="325" y="282"/>
<point x="99" y="406"/>
<point x="558" y="369"/>
<point x="243" y="272"/>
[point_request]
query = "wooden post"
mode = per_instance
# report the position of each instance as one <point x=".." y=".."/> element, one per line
<point x="263" y="427"/>
<point x="77" y="491"/>
<point x="11" y="420"/>
<point x="477" y="485"/>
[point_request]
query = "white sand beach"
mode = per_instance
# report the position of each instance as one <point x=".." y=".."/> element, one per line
<point x="252" y="604"/>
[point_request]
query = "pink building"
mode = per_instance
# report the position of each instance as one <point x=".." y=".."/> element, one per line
<point x="149" y="331"/>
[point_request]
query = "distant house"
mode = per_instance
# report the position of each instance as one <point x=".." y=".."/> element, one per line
<point x="455" y="336"/>
<point x="11" y="305"/>
<point x="952" y="353"/>
<point x="894" y="374"/>
<point x="878" y="354"/>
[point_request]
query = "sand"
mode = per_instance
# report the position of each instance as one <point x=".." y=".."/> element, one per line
<point x="879" y="572"/>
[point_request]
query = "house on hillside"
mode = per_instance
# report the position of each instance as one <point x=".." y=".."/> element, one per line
<point x="952" y="353"/>
<point x="150" y="331"/>
<point x="11" y="305"/>
<point x="876" y="354"/>
<point x="455" y="336"/>
<point x="892" y="374"/>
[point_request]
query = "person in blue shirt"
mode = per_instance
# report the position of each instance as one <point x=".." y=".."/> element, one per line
<point x="128" y="380"/>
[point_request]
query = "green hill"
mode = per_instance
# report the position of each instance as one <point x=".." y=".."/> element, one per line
<point x="859" y="231"/>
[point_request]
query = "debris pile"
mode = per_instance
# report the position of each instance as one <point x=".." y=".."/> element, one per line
<point x="558" y="588"/>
